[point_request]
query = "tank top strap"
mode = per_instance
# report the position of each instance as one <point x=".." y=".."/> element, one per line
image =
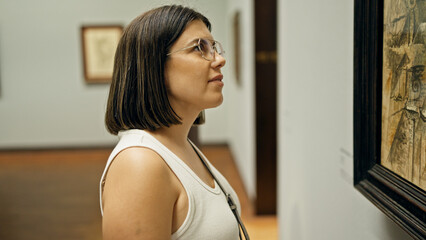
<point x="140" y="138"/>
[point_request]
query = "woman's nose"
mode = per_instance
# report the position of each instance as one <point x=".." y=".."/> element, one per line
<point x="219" y="61"/>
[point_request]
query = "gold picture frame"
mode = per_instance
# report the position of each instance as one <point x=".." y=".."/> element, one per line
<point x="99" y="44"/>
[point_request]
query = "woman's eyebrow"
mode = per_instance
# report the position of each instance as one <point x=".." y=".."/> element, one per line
<point x="195" y="40"/>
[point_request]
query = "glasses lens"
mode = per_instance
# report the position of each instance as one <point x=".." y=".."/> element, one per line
<point x="206" y="49"/>
<point x="218" y="48"/>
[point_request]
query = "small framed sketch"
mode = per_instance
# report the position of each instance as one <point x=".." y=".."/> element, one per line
<point x="99" y="44"/>
<point x="237" y="43"/>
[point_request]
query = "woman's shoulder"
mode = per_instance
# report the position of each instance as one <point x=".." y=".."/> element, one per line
<point x="134" y="194"/>
<point x="141" y="163"/>
<point x="137" y="171"/>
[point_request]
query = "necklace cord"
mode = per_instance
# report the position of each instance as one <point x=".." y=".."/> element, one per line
<point x="229" y="199"/>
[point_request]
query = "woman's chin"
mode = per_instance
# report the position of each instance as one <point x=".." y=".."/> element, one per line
<point x="215" y="102"/>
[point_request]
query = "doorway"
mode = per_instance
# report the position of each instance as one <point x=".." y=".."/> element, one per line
<point x="266" y="105"/>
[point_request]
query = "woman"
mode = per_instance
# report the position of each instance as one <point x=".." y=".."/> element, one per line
<point x="155" y="186"/>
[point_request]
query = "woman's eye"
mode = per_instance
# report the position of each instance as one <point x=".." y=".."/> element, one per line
<point x="203" y="46"/>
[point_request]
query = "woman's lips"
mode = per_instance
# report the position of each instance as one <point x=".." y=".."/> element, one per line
<point x="217" y="78"/>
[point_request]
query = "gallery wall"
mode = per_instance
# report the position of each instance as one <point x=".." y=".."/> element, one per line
<point x="317" y="199"/>
<point x="240" y="94"/>
<point x="44" y="99"/>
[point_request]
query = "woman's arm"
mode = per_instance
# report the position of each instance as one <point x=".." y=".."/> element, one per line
<point x="138" y="197"/>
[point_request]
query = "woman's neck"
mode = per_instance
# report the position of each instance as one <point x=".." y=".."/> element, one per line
<point x="175" y="135"/>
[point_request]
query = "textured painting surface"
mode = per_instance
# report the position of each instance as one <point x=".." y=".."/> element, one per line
<point x="403" y="147"/>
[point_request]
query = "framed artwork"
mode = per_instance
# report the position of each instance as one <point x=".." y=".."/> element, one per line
<point x="237" y="46"/>
<point x="390" y="109"/>
<point x="99" y="44"/>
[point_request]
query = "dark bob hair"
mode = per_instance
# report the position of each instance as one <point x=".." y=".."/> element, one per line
<point x="138" y="96"/>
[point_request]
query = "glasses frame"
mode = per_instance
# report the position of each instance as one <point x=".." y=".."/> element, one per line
<point x="215" y="45"/>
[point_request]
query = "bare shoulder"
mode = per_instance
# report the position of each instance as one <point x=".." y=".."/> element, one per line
<point x="139" y="159"/>
<point x="138" y="196"/>
<point x="138" y="167"/>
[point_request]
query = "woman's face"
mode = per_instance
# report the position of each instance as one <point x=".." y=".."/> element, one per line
<point x="193" y="83"/>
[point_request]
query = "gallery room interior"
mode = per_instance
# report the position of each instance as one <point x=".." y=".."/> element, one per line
<point x="283" y="136"/>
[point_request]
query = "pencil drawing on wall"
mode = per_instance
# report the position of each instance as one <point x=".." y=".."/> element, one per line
<point x="403" y="145"/>
<point x="99" y="44"/>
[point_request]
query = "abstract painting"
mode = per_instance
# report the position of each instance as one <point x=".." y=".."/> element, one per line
<point x="403" y="145"/>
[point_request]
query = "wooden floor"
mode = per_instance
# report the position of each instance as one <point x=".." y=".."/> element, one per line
<point x="54" y="194"/>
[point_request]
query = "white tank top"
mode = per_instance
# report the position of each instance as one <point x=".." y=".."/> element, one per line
<point x="209" y="215"/>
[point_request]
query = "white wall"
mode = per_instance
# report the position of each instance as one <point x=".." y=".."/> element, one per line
<point x="44" y="100"/>
<point x="317" y="199"/>
<point x="240" y="98"/>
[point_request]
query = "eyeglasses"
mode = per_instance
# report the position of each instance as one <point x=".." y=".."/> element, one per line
<point x="207" y="48"/>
